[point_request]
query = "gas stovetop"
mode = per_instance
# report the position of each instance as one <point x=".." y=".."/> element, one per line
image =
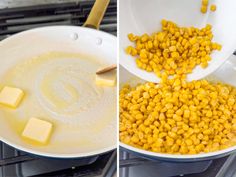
<point x="134" y="166"/>
<point x="15" y="17"/>
<point x="14" y="163"/>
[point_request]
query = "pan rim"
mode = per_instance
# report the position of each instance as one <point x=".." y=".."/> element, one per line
<point x="19" y="34"/>
<point x="49" y="154"/>
<point x="59" y="155"/>
<point x="173" y="157"/>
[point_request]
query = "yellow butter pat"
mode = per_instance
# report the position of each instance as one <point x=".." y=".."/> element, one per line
<point x="106" y="79"/>
<point x="11" y="96"/>
<point x="38" y="130"/>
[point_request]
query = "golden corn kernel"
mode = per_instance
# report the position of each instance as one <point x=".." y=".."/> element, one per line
<point x="204" y="64"/>
<point x="205" y="2"/>
<point x="204" y="9"/>
<point x="213" y="8"/>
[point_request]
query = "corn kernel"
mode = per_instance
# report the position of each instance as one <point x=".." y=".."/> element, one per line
<point x="204" y="9"/>
<point x="213" y="8"/>
<point x="205" y="2"/>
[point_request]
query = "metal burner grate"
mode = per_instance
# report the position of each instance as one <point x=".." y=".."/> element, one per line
<point x="14" y="20"/>
<point x="131" y="165"/>
<point x="21" y="164"/>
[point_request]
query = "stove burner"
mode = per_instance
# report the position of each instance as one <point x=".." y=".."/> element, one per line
<point x="16" y="163"/>
<point x="131" y="165"/>
<point x="14" y="20"/>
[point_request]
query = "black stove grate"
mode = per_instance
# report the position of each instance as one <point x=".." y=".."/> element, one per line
<point x="94" y="169"/>
<point x="221" y="167"/>
<point x="13" y="165"/>
<point x="13" y="20"/>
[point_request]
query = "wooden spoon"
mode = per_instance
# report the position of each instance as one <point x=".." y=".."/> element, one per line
<point x="107" y="69"/>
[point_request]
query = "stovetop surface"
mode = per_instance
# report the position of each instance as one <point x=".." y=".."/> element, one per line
<point x="15" y="163"/>
<point x="135" y="166"/>
<point x="17" y="19"/>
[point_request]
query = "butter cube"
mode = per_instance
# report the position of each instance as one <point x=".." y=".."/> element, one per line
<point x="11" y="96"/>
<point x="106" y="79"/>
<point x="38" y="130"/>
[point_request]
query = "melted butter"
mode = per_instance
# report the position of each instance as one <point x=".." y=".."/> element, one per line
<point x="50" y="93"/>
<point x="70" y="89"/>
<point x="62" y="91"/>
<point x="14" y="122"/>
<point x="104" y="121"/>
<point x="18" y="125"/>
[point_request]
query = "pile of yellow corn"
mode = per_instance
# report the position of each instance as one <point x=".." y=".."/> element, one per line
<point x="178" y="117"/>
<point x="174" y="50"/>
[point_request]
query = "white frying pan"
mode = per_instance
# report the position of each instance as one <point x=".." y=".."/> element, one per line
<point x="56" y="66"/>
<point x="141" y="16"/>
<point x="224" y="74"/>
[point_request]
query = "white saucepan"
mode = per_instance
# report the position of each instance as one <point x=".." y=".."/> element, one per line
<point x="56" y="66"/>
<point x="226" y="74"/>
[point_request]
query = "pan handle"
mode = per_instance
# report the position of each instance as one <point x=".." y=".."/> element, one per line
<point x="96" y="15"/>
